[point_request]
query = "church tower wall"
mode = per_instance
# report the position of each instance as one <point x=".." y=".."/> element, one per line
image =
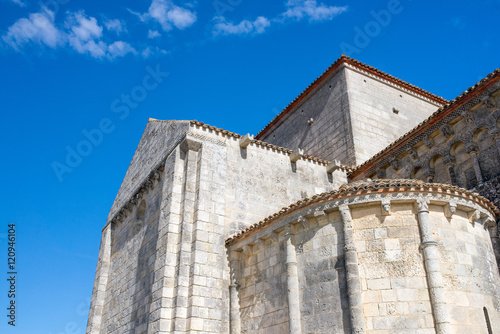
<point x="350" y="113"/>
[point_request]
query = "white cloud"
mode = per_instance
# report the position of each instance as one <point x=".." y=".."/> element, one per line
<point x="153" y="34"/>
<point x="115" y="25"/>
<point x="18" y="2"/>
<point x="167" y="14"/>
<point x="310" y="9"/>
<point x="80" y="32"/>
<point x="294" y="10"/>
<point x="120" y="49"/>
<point x="152" y="51"/>
<point x="37" y="28"/>
<point x="245" y="27"/>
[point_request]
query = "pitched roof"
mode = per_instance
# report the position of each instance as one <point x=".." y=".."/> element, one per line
<point x="373" y="186"/>
<point x="438" y="115"/>
<point x="353" y="62"/>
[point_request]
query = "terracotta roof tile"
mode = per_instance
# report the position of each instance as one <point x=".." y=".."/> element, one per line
<point x="267" y="145"/>
<point x="356" y="188"/>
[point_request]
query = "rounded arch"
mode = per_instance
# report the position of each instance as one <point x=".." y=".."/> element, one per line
<point x="441" y="174"/>
<point x="417" y="173"/>
<point x="479" y="133"/>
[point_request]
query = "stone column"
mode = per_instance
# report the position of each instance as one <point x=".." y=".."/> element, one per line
<point x="496" y="137"/>
<point x="292" y="280"/>
<point x="472" y="150"/>
<point x="352" y="274"/>
<point x="433" y="269"/>
<point x="235" y="322"/>
<point x="100" y="282"/>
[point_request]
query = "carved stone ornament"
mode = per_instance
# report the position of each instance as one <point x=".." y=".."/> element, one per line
<point x="423" y="205"/>
<point x="386" y="206"/>
<point x="447" y="131"/>
<point x="304" y="223"/>
<point x="489" y="102"/>
<point x="468" y="117"/>
<point x="411" y="151"/>
<point x="428" y="141"/>
<point x="395" y="164"/>
<point x="450" y="209"/>
<point x="381" y="174"/>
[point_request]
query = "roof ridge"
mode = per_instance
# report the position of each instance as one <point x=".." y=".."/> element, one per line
<point x="444" y="109"/>
<point x="345" y="59"/>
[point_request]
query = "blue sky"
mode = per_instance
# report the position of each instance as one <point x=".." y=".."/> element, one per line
<point x="74" y="69"/>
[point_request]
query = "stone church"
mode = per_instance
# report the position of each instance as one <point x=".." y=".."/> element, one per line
<point x="366" y="206"/>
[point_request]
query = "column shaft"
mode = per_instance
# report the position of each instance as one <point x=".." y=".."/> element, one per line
<point x="433" y="269"/>
<point x="352" y="274"/>
<point x="292" y="280"/>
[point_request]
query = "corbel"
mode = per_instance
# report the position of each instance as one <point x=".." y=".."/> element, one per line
<point x="246" y="140"/>
<point x="296" y="155"/>
<point x="386" y="207"/>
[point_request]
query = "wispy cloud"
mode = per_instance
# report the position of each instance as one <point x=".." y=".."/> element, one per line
<point x="18" y="2"/>
<point x="168" y="15"/>
<point x="153" y="34"/>
<point x="295" y="10"/>
<point x="152" y="51"/>
<point x="80" y="32"/>
<point x="116" y="25"/>
<point x="245" y="27"/>
<point x="311" y="10"/>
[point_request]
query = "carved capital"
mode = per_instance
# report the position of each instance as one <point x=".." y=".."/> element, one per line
<point x="345" y="213"/>
<point x="422" y="205"/>
<point x="471" y="147"/>
<point x="448" y="159"/>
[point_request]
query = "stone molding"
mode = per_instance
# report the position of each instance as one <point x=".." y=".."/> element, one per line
<point x="374" y="191"/>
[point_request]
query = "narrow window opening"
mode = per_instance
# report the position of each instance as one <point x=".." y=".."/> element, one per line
<point x="487" y="318"/>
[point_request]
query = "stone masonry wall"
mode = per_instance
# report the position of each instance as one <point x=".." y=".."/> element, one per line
<point x="168" y="269"/>
<point x="355" y="115"/>
<point x="329" y="136"/>
<point x="392" y="273"/>
<point x="158" y="139"/>
<point x="381" y="112"/>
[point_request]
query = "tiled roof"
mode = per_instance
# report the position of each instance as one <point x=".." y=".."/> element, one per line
<point x="366" y="187"/>
<point x="267" y="145"/>
<point x="432" y="119"/>
<point x="348" y="60"/>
